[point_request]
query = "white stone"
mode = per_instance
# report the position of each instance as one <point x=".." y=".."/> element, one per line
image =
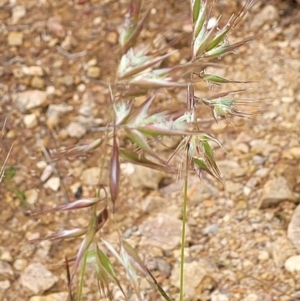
<point x="30" y="120"/>
<point x="81" y="88"/>
<point x="37" y="278"/>
<point x="31" y="196"/>
<point x="263" y="255"/>
<point x="4" y="285"/>
<point x="41" y="164"/>
<point x="33" y="70"/>
<point x="144" y="177"/>
<point x="127" y="168"/>
<point x="18" y="12"/>
<point x="262" y="172"/>
<point x="292" y="264"/>
<point x="194" y="273"/>
<point x="97" y="21"/>
<point x="30" y="99"/>
<point x="5" y="255"/>
<point x="162" y="230"/>
<point x="231" y="169"/>
<point x="247" y="190"/>
<point x="50" y="90"/>
<point x="53" y="183"/>
<point x="76" y="130"/>
<point x="211" y="229"/>
<point x="287" y="99"/>
<point x="275" y="191"/>
<point x="47" y="172"/>
<point x="20" y="264"/>
<point x="92" y="62"/>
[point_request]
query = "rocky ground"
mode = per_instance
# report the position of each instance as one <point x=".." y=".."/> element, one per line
<point x="56" y="58"/>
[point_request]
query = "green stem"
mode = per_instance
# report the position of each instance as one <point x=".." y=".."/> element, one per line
<point x="81" y="282"/>
<point x="184" y="219"/>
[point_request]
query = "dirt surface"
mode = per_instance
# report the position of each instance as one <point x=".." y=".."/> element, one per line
<point x="69" y="51"/>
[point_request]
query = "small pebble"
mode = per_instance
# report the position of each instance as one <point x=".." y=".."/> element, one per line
<point x="97" y="21"/>
<point x="38" y="83"/>
<point x="94" y="72"/>
<point x="30" y="121"/>
<point x="20" y="264"/>
<point x="31" y="196"/>
<point x="5" y="255"/>
<point x="76" y="130"/>
<point x="15" y="38"/>
<point x="263" y="255"/>
<point x="53" y="183"/>
<point x="47" y="172"/>
<point x="292" y="264"/>
<point x="81" y="87"/>
<point x="18" y="12"/>
<point x="259" y="160"/>
<point x="4" y="285"/>
<point x="211" y="229"/>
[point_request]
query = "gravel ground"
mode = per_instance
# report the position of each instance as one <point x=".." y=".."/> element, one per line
<point x="56" y="59"/>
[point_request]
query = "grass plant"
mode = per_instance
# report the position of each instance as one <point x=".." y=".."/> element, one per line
<point x="141" y="73"/>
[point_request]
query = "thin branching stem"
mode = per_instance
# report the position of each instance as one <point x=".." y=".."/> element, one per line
<point x="184" y="219"/>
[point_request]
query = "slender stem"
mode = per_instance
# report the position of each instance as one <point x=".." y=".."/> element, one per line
<point x="81" y="283"/>
<point x="184" y="219"/>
